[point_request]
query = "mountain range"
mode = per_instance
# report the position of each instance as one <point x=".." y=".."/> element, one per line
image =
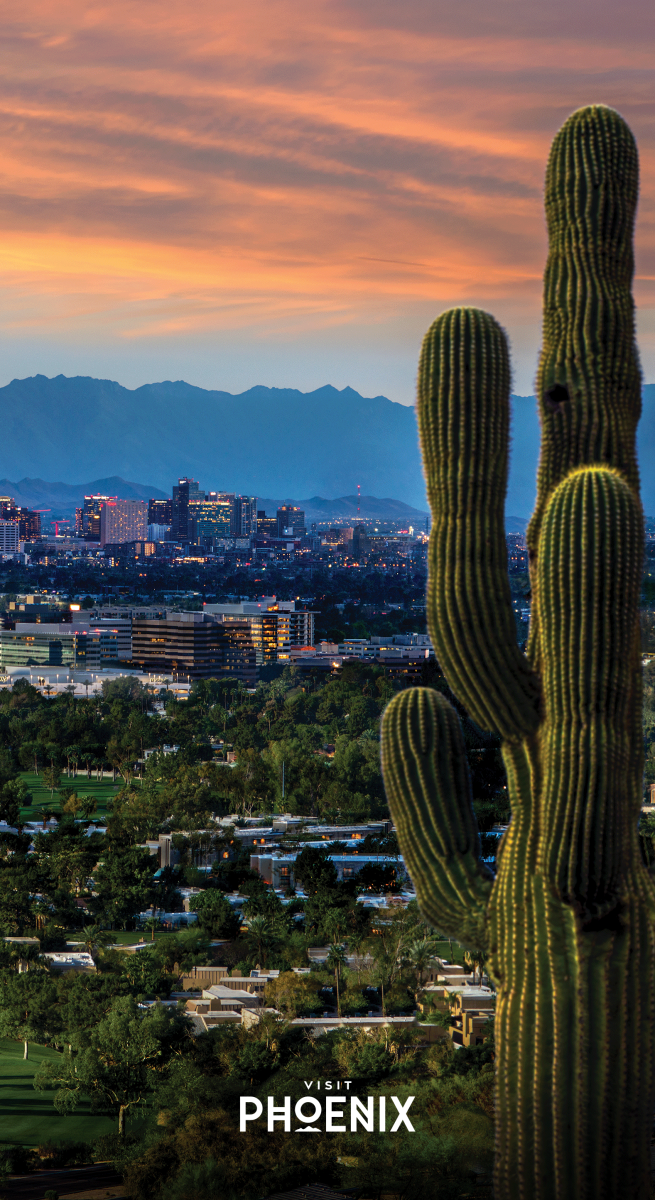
<point x="61" y="500"/>
<point x="276" y="441"/>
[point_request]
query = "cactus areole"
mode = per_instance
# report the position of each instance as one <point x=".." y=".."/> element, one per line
<point x="569" y="919"/>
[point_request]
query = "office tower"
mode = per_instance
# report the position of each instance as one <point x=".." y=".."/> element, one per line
<point x="244" y="517"/>
<point x="90" y="516"/>
<point x="158" y="533"/>
<point x="160" y="512"/>
<point x="266" y="526"/>
<point x="8" y="509"/>
<point x="210" y="518"/>
<point x="9" y="537"/>
<point x="185" y="492"/>
<point x="188" y="644"/>
<point x="290" y="521"/>
<point x="123" y="521"/>
<point x="29" y="525"/>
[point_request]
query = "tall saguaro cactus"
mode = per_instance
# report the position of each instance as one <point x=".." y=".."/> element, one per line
<point x="569" y="919"/>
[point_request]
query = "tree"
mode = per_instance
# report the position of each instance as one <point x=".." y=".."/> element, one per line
<point x="216" y="916"/>
<point x="95" y="938"/>
<point x="120" y="1062"/>
<point x="124" y="883"/>
<point x="419" y="955"/>
<point x="336" y="961"/>
<point x="28" y="1011"/>
<point x="52" y="778"/>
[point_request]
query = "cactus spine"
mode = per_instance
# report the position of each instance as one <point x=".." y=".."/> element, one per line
<point x="570" y="918"/>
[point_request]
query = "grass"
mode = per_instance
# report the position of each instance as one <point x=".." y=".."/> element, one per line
<point x="28" y="1117"/>
<point x="102" y="790"/>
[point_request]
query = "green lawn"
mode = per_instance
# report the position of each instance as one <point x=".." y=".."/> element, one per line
<point x="101" y="790"/>
<point x="28" y="1117"/>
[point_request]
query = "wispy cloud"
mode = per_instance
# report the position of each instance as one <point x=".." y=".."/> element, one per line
<point x="168" y="169"/>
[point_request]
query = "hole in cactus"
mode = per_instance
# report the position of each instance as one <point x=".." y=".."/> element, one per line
<point x="555" y="396"/>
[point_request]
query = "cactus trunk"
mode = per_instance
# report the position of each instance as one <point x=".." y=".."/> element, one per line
<point x="570" y="918"/>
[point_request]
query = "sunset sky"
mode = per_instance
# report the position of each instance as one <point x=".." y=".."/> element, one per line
<point x="287" y="192"/>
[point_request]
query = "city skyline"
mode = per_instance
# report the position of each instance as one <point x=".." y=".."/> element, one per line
<point x="270" y="196"/>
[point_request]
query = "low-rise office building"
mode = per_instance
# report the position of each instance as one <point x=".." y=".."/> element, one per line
<point x="57" y="645"/>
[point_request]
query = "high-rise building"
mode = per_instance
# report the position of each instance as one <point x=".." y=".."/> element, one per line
<point x="158" y="533"/>
<point x="244" y="517"/>
<point x="211" y="518"/>
<point x="123" y="521"/>
<point x="9" y="537"/>
<point x="29" y="525"/>
<point x="185" y="492"/>
<point x="290" y="521"/>
<point x="89" y="520"/>
<point x="8" y="509"/>
<point x="160" y="512"/>
<point x="266" y="526"/>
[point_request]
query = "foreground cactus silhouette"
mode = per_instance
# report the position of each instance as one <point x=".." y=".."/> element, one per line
<point x="569" y="920"/>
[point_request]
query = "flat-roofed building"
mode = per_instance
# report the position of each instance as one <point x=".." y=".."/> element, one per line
<point x="56" y="646"/>
<point x="9" y="537"/>
<point x="123" y="521"/>
<point x="182" y="643"/>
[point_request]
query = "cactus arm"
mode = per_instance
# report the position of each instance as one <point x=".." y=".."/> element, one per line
<point x="463" y="415"/>
<point x="588" y="583"/>
<point x="429" y="792"/>
<point x="588" y="384"/>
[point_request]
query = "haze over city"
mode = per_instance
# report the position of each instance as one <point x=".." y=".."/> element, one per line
<point x="271" y="194"/>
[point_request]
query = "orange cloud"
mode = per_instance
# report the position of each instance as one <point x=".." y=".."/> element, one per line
<point x="168" y="170"/>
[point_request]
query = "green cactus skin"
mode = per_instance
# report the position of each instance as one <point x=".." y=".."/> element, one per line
<point x="588" y="328"/>
<point x="570" y="918"/>
<point x="463" y="415"/>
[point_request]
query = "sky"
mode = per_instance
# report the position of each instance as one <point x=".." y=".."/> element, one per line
<point x="287" y="193"/>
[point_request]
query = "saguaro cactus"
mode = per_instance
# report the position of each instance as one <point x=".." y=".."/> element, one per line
<point x="569" y="919"/>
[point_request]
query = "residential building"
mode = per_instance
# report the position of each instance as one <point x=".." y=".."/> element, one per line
<point x="9" y="537"/>
<point x="185" y="492"/>
<point x="123" y="521"/>
<point x="277" y="869"/>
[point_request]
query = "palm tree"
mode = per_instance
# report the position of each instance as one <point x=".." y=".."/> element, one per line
<point x="475" y="959"/>
<point x="336" y="959"/>
<point x="152" y="923"/>
<point x="96" y="938"/>
<point x="419" y="954"/>
<point x="263" y="933"/>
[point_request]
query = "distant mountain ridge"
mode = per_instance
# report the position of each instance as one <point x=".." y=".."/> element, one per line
<point x="277" y="441"/>
<point x="66" y="497"/>
<point x="63" y="498"/>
